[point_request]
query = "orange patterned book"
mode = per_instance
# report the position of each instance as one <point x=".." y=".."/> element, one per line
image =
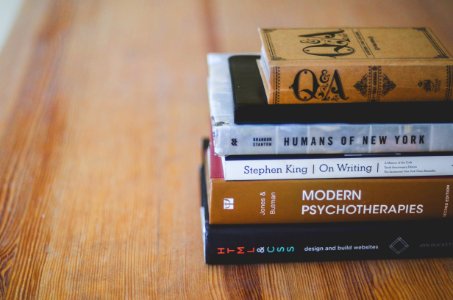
<point x="343" y="65"/>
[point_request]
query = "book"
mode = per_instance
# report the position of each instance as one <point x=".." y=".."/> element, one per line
<point x="324" y="200"/>
<point x="343" y="65"/>
<point x="312" y="166"/>
<point x="243" y="244"/>
<point x="233" y="139"/>
<point x="251" y="107"/>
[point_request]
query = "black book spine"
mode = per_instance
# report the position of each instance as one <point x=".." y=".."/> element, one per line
<point x="283" y="243"/>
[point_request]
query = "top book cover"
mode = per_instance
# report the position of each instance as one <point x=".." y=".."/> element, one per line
<point x="342" y="65"/>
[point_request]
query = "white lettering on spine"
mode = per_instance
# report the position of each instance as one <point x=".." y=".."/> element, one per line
<point x="330" y="195"/>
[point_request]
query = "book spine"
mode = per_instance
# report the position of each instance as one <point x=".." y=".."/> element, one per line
<point x="333" y="138"/>
<point x="343" y="167"/>
<point x="328" y="200"/>
<point x="343" y="83"/>
<point x="258" y="244"/>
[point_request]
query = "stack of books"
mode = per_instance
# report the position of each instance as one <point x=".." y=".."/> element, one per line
<point x="331" y="144"/>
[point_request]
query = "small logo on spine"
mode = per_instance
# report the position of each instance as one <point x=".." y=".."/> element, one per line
<point x="228" y="203"/>
<point x="399" y="245"/>
<point x="430" y="85"/>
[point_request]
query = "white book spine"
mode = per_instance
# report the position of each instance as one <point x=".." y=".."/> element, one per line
<point x="344" y="167"/>
<point x="323" y="139"/>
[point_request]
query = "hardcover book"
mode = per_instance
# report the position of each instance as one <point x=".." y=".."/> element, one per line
<point x="324" y="200"/>
<point x="242" y="244"/>
<point x="343" y="65"/>
<point x="233" y="139"/>
<point x="251" y="107"/>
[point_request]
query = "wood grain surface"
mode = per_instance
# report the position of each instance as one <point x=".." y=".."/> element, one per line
<point x="103" y="106"/>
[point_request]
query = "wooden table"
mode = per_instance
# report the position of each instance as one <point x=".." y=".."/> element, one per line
<point x="103" y="106"/>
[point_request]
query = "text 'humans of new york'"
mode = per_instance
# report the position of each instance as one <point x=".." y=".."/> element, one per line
<point x="350" y="140"/>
